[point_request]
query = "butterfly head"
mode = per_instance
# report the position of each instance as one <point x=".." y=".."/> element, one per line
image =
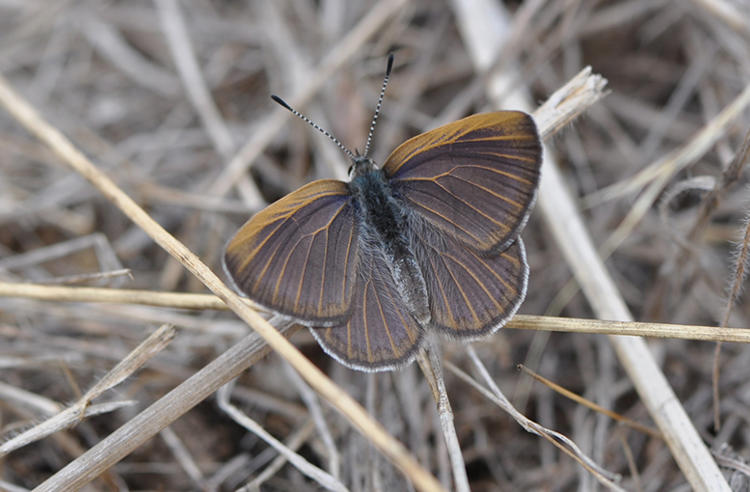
<point x="361" y="164"/>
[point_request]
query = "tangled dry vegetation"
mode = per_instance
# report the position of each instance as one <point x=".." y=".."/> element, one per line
<point x="170" y="100"/>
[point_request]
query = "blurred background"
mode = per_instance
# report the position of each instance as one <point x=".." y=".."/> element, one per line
<point x="172" y="101"/>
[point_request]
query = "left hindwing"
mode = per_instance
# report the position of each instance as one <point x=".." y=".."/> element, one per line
<point x="381" y="334"/>
<point x="474" y="179"/>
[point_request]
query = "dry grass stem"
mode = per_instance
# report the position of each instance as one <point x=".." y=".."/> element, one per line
<point x="493" y="393"/>
<point x="179" y="300"/>
<point x="429" y="360"/>
<point x="630" y="328"/>
<point x="658" y="175"/>
<point x="171" y="101"/>
<point x="588" y="403"/>
<point x="575" y="242"/>
<point x="155" y="343"/>
<point x="152" y="345"/>
<point x="182" y="456"/>
<point x="316" y="413"/>
<point x="739" y="274"/>
<point x="326" y="480"/>
<point x="295" y="441"/>
<point x="173" y="24"/>
<point x="63" y="420"/>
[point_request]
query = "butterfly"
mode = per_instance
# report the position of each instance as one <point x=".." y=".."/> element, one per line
<point x="429" y="241"/>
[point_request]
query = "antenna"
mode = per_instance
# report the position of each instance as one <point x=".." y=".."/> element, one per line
<point x="335" y="140"/>
<point x="370" y="134"/>
<point x="379" y="105"/>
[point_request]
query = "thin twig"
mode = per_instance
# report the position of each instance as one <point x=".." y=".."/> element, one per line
<point x="173" y="23"/>
<point x="429" y="360"/>
<point x="519" y="322"/>
<point x="738" y="277"/>
<point x="316" y="412"/>
<point x="324" y="479"/>
<point x="588" y="403"/>
<point x="178" y="300"/>
<point x="493" y="393"/>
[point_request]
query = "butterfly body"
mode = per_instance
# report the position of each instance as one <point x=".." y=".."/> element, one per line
<point x="427" y="242"/>
<point x="382" y="218"/>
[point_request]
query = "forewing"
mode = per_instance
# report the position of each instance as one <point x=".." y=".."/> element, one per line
<point x="381" y="334"/>
<point x="298" y="256"/>
<point x="472" y="294"/>
<point x="475" y="178"/>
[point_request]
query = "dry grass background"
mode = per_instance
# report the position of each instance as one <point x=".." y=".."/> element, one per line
<point x="172" y="102"/>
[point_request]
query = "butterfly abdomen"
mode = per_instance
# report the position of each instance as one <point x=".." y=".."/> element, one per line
<point x="382" y="220"/>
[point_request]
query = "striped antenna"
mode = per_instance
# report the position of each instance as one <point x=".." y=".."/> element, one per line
<point x="305" y="118"/>
<point x="380" y="103"/>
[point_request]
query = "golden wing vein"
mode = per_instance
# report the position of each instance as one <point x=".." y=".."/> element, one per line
<point x="364" y="324"/>
<point x="304" y="272"/>
<point x="323" y="272"/>
<point x="450" y="172"/>
<point x="285" y="263"/>
<point x="475" y="209"/>
<point x="458" y="226"/>
<point x="499" y="277"/>
<point x="463" y="293"/>
<point x="446" y="302"/>
<point x="477" y="280"/>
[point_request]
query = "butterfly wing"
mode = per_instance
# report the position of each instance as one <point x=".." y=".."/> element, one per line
<point x="298" y="256"/>
<point x="471" y="294"/>
<point x="474" y="179"/>
<point x="381" y="334"/>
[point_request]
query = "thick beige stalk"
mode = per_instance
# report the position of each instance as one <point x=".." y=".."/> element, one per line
<point x="484" y="25"/>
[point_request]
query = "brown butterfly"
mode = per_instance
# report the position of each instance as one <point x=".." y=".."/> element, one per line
<point x="428" y="241"/>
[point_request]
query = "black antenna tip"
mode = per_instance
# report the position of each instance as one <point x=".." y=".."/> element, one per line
<point x="390" y="64"/>
<point x="281" y="102"/>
